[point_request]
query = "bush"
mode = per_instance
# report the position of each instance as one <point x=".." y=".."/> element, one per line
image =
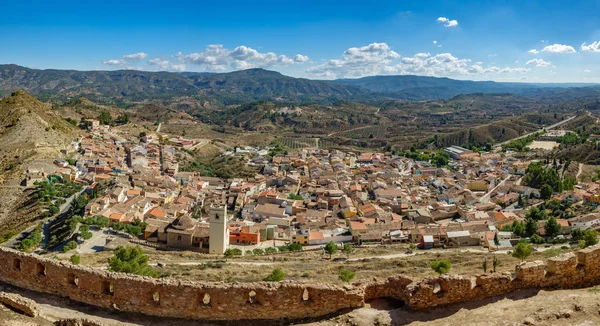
<point x="75" y="259"/>
<point x="331" y="249"/>
<point x="232" y="252"/>
<point x="131" y="260"/>
<point x="275" y="276"/>
<point x="270" y="250"/>
<point x="258" y="251"/>
<point x="346" y="275"/>
<point x="590" y="238"/>
<point x="69" y="246"/>
<point x="295" y="247"/>
<point x="441" y="267"/>
<point x="522" y="251"/>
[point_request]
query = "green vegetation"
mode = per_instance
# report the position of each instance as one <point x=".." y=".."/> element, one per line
<point x="276" y="275"/>
<point x="75" y="259"/>
<point x="7" y="236"/>
<point x="537" y="176"/>
<point x="522" y="250"/>
<point x="552" y="228"/>
<point x="520" y="145"/>
<point x="131" y="260"/>
<point x="84" y="232"/>
<point x="441" y="266"/>
<point x="105" y="118"/>
<point x="331" y="249"/>
<point x="232" y="252"/>
<point x="258" y="252"/>
<point x="347" y="249"/>
<point x="590" y="238"/>
<point x="33" y="240"/>
<point x="295" y="197"/>
<point x="346" y="275"/>
<point x="270" y="250"/>
<point x="99" y="221"/>
<point x="69" y="246"/>
<point x="292" y="247"/>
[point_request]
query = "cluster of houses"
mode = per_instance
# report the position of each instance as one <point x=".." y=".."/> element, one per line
<point x="310" y="197"/>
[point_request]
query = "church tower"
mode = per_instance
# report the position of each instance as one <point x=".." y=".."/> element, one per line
<point x="219" y="232"/>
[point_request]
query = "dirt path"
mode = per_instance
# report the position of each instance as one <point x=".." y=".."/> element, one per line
<point x="342" y="131"/>
<point x="579" y="171"/>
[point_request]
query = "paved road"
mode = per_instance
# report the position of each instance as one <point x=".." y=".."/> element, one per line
<point x="539" y="130"/>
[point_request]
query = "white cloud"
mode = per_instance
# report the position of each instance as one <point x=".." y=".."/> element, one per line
<point x="538" y="62"/>
<point x="216" y="57"/>
<point x="594" y="47"/>
<point x="559" y="48"/>
<point x="135" y="56"/>
<point x="166" y="65"/>
<point x="125" y="59"/>
<point x="299" y="58"/>
<point x="533" y="51"/>
<point x="447" y="22"/>
<point x="587" y="70"/>
<point x="366" y="61"/>
<point x="434" y="42"/>
<point x="113" y="62"/>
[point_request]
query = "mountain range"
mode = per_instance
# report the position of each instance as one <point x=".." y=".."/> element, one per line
<point x="232" y="88"/>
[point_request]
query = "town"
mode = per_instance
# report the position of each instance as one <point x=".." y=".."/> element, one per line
<point x="310" y="197"/>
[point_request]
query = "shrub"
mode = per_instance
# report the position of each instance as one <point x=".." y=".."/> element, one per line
<point x="131" y="260"/>
<point x="346" y="275"/>
<point x="75" y="259"/>
<point x="276" y="275"/>
<point x="258" y="251"/>
<point x="331" y="249"/>
<point x="522" y="251"/>
<point x="441" y="267"/>
<point x="69" y="246"/>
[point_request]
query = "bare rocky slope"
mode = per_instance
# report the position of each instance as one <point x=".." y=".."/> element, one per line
<point x="29" y="131"/>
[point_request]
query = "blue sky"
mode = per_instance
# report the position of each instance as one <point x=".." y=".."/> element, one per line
<point x="534" y="41"/>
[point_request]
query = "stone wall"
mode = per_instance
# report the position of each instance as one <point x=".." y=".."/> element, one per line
<point x="282" y="300"/>
<point x="563" y="272"/>
<point x="173" y="298"/>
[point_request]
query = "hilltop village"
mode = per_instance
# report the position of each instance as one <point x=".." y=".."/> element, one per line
<point x="315" y="196"/>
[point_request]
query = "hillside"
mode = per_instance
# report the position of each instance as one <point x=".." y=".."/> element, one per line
<point x="126" y="86"/>
<point x="410" y="87"/>
<point x="212" y="90"/>
<point x="29" y="132"/>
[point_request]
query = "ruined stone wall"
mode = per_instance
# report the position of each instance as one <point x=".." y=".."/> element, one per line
<point x="173" y="298"/>
<point x="566" y="271"/>
<point x="282" y="300"/>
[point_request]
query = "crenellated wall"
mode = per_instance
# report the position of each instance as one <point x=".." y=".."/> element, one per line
<point x="281" y="300"/>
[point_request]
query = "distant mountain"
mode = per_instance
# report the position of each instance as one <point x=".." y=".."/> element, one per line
<point x="239" y="87"/>
<point x="412" y="87"/>
<point x="123" y="86"/>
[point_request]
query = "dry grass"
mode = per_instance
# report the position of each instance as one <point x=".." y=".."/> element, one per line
<point x="312" y="266"/>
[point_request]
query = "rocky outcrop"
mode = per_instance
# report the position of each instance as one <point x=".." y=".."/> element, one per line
<point x="19" y="303"/>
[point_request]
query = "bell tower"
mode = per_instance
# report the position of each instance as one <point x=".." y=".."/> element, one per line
<point x="219" y="232"/>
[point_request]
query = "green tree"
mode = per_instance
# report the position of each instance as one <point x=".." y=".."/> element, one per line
<point x="484" y="265"/>
<point x="258" y="251"/>
<point x="536" y="214"/>
<point x="131" y="260"/>
<point x="69" y="246"/>
<point x="142" y="134"/>
<point x="270" y="250"/>
<point x="518" y="228"/>
<point x="495" y="263"/>
<point x="295" y="197"/>
<point x="552" y="227"/>
<point x="331" y="249"/>
<point x="590" y="238"/>
<point x="496" y="240"/>
<point x="75" y="259"/>
<point x="441" y="266"/>
<point x="276" y="275"/>
<point x="347" y="249"/>
<point x="537" y="239"/>
<point x="105" y="118"/>
<point x="531" y="227"/>
<point x="577" y="234"/>
<point x="546" y="191"/>
<point x="522" y="250"/>
<point x="346" y="275"/>
<point x="295" y="247"/>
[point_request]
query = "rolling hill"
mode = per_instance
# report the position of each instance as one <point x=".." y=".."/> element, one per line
<point x="123" y="87"/>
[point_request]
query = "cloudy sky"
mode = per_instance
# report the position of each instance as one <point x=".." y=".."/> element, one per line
<point x="531" y="41"/>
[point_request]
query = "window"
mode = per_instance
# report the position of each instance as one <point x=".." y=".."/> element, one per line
<point x="41" y="270"/>
<point x="108" y="288"/>
<point x="17" y="264"/>
<point x="216" y="216"/>
<point x="179" y="238"/>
